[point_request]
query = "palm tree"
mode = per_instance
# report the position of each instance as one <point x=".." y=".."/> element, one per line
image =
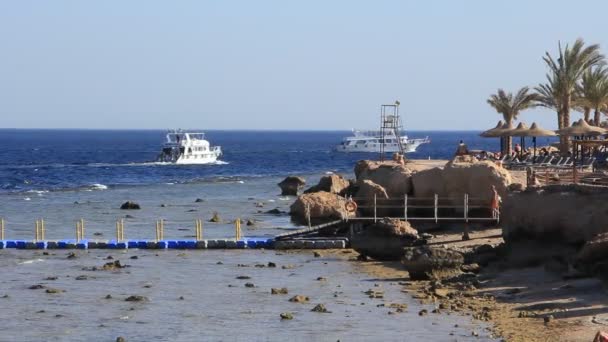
<point x="594" y="91"/>
<point x="566" y="71"/>
<point x="548" y="96"/>
<point x="510" y="106"/>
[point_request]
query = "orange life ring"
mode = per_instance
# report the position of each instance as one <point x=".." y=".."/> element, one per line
<point x="350" y="206"/>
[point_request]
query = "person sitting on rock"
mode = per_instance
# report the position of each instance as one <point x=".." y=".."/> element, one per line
<point x="462" y="149"/>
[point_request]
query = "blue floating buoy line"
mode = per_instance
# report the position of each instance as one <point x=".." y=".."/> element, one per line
<point x="238" y="242"/>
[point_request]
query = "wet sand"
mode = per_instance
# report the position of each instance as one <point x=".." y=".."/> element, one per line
<point x="197" y="295"/>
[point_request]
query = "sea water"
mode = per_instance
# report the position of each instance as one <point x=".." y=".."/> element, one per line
<point x="66" y="175"/>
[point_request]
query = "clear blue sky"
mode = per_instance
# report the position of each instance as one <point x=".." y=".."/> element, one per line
<point x="276" y="64"/>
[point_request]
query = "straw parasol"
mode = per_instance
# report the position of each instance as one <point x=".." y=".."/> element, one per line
<point x="535" y="131"/>
<point x="493" y="132"/>
<point x="520" y="131"/>
<point x="581" y="128"/>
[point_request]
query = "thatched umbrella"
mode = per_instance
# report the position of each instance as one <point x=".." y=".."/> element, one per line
<point x="520" y="131"/>
<point x="581" y="129"/>
<point x="495" y="133"/>
<point x="535" y="131"/>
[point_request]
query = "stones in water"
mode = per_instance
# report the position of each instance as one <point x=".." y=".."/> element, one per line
<point x="36" y="287"/>
<point x="251" y="222"/>
<point x="71" y="255"/>
<point x="299" y="299"/>
<point x="422" y="263"/>
<point x="286" y="315"/>
<point x="242" y="277"/>
<point x="279" y="290"/>
<point x="320" y="308"/>
<point x="316" y="254"/>
<point x="51" y="278"/>
<point x="423" y="312"/>
<point x="128" y="205"/>
<point x="137" y="298"/>
<point x="52" y="290"/>
<point x="121" y="339"/>
<point x="199" y="200"/>
<point x="216" y="218"/>
<point x="374" y="293"/>
<point x="291" y="185"/>
<point x="249" y="285"/>
<point x="275" y="211"/>
<point x="113" y="265"/>
<point x="271" y="264"/>
<point x="82" y="277"/>
<point x="321" y="279"/>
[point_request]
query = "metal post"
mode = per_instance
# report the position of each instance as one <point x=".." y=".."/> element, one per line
<point x="405" y="207"/>
<point x="2" y="229"/>
<point x="82" y="229"/>
<point x="117" y="230"/>
<point x="375" y="208"/>
<point x="36" y="231"/>
<point x="42" y="229"/>
<point x="466" y="207"/>
<point x="436" y="209"/>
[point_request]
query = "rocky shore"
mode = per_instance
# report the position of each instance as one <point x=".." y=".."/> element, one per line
<point x="538" y="275"/>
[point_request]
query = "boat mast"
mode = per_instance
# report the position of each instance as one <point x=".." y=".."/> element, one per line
<point x="390" y="123"/>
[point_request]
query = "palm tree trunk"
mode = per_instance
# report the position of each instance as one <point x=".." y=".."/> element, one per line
<point x="508" y="140"/>
<point x="597" y="117"/>
<point x="564" y="140"/>
<point x="587" y="113"/>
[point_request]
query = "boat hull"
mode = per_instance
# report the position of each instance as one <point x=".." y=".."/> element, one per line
<point x="409" y="147"/>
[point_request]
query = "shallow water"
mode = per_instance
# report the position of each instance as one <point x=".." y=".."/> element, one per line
<point x="100" y="210"/>
<point x="210" y="310"/>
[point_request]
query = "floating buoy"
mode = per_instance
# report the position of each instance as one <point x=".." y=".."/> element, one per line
<point x="350" y="206"/>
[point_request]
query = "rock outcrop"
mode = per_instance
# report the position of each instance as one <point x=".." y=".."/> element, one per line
<point x="335" y="184"/>
<point x="425" y="262"/>
<point x="392" y="176"/>
<point x="365" y="197"/>
<point x="570" y="214"/>
<point x="385" y="239"/>
<point x="457" y="178"/>
<point x="130" y="206"/>
<point x="291" y="185"/>
<point x="323" y="206"/>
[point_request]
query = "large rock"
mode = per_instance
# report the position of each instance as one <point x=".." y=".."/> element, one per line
<point x="365" y="198"/>
<point x="385" y="239"/>
<point x="130" y="206"/>
<point x="457" y="178"/>
<point x="392" y="176"/>
<point x="323" y="206"/>
<point x="571" y="214"/>
<point x="291" y="185"/>
<point x="594" y="250"/>
<point x="427" y="262"/>
<point x="335" y="184"/>
<point x="475" y="179"/>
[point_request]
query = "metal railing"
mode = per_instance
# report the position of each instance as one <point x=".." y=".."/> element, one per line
<point x="434" y="208"/>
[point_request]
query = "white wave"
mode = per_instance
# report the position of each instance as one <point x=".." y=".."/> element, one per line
<point x="27" y="199"/>
<point x="241" y="182"/>
<point x="271" y="200"/>
<point x="98" y="186"/>
<point x="38" y="192"/>
<point x="283" y="199"/>
<point x="30" y="261"/>
<point x="217" y="162"/>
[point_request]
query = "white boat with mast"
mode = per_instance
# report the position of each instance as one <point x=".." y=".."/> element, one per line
<point x="183" y="147"/>
<point x="389" y="139"/>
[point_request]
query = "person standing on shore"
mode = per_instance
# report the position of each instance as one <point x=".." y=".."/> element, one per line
<point x="462" y="149"/>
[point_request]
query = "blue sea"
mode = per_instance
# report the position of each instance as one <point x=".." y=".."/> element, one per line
<point x="52" y="160"/>
<point x="63" y="176"/>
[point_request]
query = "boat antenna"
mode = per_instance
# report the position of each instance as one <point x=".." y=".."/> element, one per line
<point x="390" y="125"/>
